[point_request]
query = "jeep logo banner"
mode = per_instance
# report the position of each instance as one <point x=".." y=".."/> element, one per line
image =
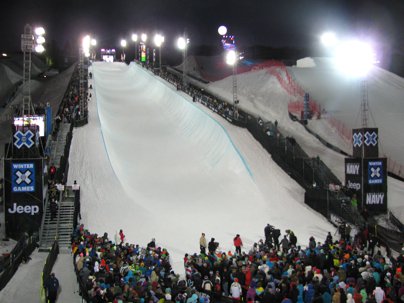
<point x="23" y="196"/>
<point x="353" y="177"/>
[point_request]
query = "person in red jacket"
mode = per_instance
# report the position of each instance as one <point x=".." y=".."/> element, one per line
<point x="238" y="243"/>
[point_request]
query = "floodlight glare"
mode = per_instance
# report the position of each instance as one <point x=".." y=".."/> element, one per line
<point x="143" y="37"/>
<point x="182" y="43"/>
<point x="328" y="39"/>
<point x="123" y="43"/>
<point x="86" y="42"/>
<point x="231" y="57"/>
<point x="158" y="40"/>
<point x="134" y="37"/>
<point x="39" y="31"/>
<point x="40" y="40"/>
<point x="355" y="58"/>
<point x="39" y="48"/>
<point x="4" y="54"/>
<point x="222" y="30"/>
<point x="93" y="42"/>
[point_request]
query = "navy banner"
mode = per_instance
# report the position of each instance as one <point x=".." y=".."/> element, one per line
<point x="375" y="184"/>
<point x="23" y="191"/>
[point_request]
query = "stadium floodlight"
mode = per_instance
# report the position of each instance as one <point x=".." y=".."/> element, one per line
<point x="124" y="43"/>
<point x="143" y="37"/>
<point x="134" y="37"/>
<point x="86" y="42"/>
<point x="4" y="54"/>
<point x="158" y="40"/>
<point x="354" y="58"/>
<point x="39" y="31"/>
<point x="231" y="57"/>
<point x="93" y="42"/>
<point x="182" y="43"/>
<point x="39" y="48"/>
<point x="329" y="39"/>
<point x="222" y="30"/>
<point x="40" y="40"/>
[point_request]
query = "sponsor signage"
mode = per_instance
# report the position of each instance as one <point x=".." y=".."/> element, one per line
<point x="23" y="192"/>
<point x="353" y="176"/>
<point x="23" y="177"/>
<point x="365" y="142"/>
<point x="375" y="172"/>
<point x="375" y="198"/>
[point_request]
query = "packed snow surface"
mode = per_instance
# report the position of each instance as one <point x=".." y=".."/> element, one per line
<point x="154" y="164"/>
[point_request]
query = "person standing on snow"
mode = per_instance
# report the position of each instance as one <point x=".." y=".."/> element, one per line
<point x="238" y="243"/>
<point x="212" y="246"/>
<point x="203" y="244"/>
<point x="121" y="236"/>
<point x="51" y="286"/>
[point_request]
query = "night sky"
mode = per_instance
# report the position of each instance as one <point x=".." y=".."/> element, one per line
<point x="276" y="23"/>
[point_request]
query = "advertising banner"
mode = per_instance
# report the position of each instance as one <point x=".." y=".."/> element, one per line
<point x="365" y="142"/>
<point x="23" y="186"/>
<point x="375" y="184"/>
<point x="353" y="177"/>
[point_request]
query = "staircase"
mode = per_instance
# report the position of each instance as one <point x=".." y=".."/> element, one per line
<point x="61" y="227"/>
<point x="57" y="146"/>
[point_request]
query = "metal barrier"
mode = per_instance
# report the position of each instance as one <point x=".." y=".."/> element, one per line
<point x="47" y="269"/>
<point x="21" y="252"/>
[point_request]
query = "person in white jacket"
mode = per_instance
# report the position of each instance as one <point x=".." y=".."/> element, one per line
<point x="379" y="294"/>
<point x="235" y="290"/>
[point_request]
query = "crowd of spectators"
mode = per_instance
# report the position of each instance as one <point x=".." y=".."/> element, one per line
<point x="335" y="270"/>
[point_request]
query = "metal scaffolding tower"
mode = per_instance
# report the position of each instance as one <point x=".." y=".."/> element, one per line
<point x="27" y="46"/>
<point x="364" y="103"/>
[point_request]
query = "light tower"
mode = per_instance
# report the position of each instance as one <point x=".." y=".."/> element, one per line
<point x="182" y="44"/>
<point x="30" y="41"/>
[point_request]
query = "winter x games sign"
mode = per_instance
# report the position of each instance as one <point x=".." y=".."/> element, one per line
<point x="375" y="184"/>
<point x="22" y="177"/>
<point x="23" y="196"/>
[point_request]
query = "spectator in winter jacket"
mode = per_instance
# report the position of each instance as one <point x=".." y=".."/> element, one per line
<point x="238" y="243"/>
<point x="52" y="287"/>
<point x="235" y="290"/>
<point x="203" y="244"/>
<point x="121" y="236"/>
<point x="212" y="246"/>
<point x="285" y="244"/>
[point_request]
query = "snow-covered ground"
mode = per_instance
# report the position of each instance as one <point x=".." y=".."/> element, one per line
<point x="155" y="164"/>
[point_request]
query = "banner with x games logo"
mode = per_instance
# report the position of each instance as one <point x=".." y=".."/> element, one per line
<point x="23" y="193"/>
<point x="365" y="142"/>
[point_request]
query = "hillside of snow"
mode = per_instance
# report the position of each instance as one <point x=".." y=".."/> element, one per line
<point x="156" y="165"/>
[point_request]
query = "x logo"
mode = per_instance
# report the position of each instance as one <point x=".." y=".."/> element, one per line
<point x="23" y="177"/>
<point x="370" y="138"/>
<point x="357" y="139"/>
<point x="375" y="172"/>
<point x="23" y="139"/>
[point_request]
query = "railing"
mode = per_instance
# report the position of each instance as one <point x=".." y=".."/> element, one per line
<point x="21" y="252"/>
<point x="47" y="269"/>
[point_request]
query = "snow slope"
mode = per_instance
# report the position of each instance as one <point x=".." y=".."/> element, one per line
<point x="154" y="164"/>
<point x="260" y="93"/>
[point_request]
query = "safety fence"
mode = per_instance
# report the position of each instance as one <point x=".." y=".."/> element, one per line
<point x="20" y="253"/>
